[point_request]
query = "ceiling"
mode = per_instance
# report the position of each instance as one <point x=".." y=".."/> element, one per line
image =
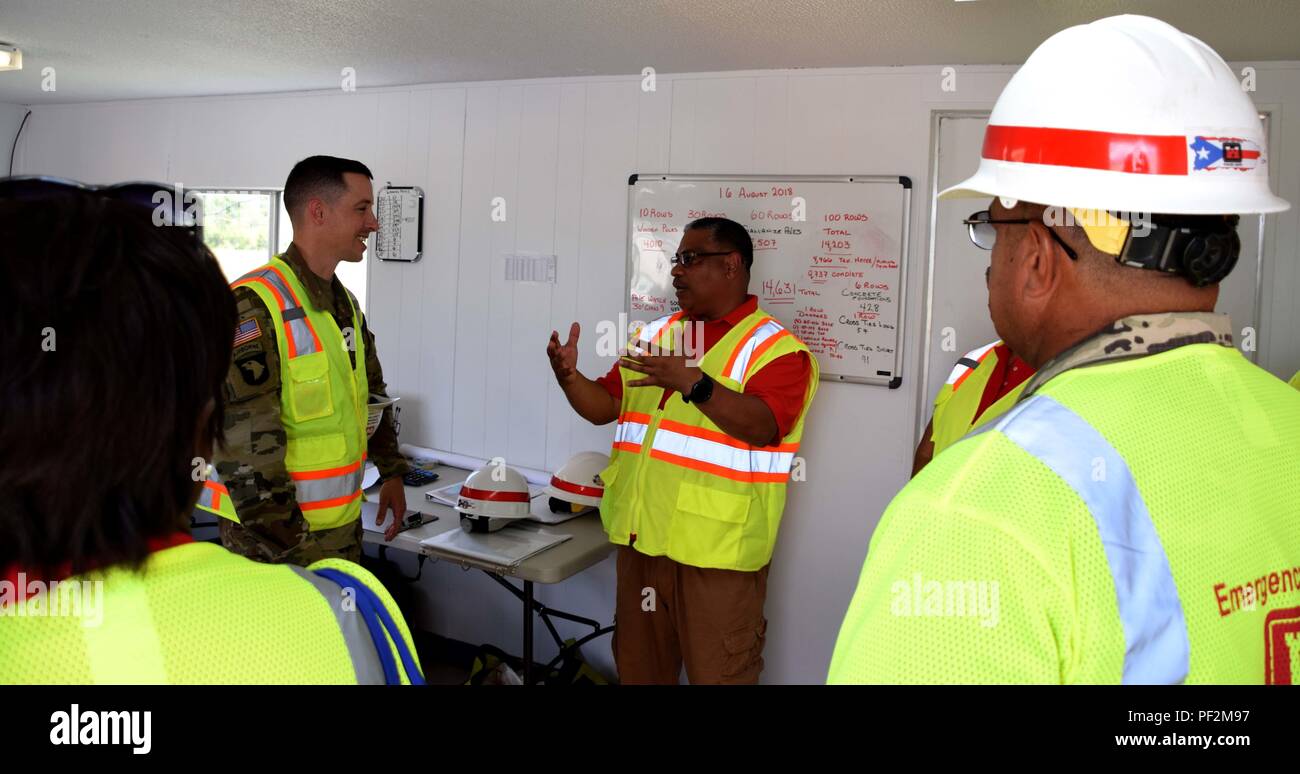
<point x="128" y="49"/>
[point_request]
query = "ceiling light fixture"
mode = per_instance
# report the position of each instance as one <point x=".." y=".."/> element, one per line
<point x="11" y="58"/>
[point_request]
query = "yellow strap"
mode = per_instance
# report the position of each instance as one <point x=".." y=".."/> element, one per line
<point x="1106" y="232"/>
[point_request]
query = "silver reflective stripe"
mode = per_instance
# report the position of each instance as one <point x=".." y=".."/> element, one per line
<point x="206" y="496"/>
<point x="271" y="276"/>
<point x="970" y="361"/>
<point x="1156" y="648"/>
<point x="295" y="317"/>
<point x="761" y="334"/>
<point x="631" y="432"/>
<point x="361" y="648"/>
<point x="314" y="490"/>
<point x="745" y="461"/>
<point x="652" y="328"/>
<point x="303" y="342"/>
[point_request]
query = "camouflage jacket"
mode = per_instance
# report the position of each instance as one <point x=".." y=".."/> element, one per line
<point x="251" y="461"/>
<point x="1136" y="336"/>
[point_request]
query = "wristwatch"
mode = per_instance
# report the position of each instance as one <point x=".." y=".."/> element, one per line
<point x="700" y="392"/>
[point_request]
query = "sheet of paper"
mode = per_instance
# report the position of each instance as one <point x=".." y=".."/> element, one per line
<point x="506" y="547"/>
<point x="370" y="512"/>
<point x="370" y="477"/>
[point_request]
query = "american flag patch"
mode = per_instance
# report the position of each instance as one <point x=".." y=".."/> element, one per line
<point x="247" y="331"/>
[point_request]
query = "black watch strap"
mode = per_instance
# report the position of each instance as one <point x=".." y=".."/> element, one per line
<point x="701" y="391"/>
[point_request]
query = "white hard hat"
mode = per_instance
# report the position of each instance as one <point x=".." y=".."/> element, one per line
<point x="1126" y="113"/>
<point x="492" y="496"/>
<point x="578" y="480"/>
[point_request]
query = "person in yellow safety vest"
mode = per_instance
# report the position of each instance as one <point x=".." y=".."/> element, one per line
<point x="302" y="372"/>
<point x="1133" y="518"/>
<point x="101" y="582"/>
<point x="710" y="405"/>
<point x="990" y="380"/>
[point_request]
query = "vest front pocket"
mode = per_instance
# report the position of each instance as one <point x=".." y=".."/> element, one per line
<point x="708" y="525"/>
<point x="310" y="395"/>
<point x="315" y="452"/>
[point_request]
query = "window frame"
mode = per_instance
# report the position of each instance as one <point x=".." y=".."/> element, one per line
<point x="277" y="203"/>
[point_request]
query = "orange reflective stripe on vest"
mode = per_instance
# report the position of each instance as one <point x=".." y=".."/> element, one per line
<point x="328" y="487"/>
<point x="300" y="336"/>
<point x="710" y="451"/>
<point x="631" y="430"/>
<point x="738" y="362"/>
<point x="214" y="498"/>
<point x="211" y="495"/>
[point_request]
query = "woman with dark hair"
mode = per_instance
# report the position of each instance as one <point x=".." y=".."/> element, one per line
<point x="115" y="339"/>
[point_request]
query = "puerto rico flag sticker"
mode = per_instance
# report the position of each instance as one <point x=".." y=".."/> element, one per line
<point x="1215" y="153"/>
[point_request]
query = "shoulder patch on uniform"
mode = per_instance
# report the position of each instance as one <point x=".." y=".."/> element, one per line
<point x="253" y="368"/>
<point x="247" y="301"/>
<point x="247" y="330"/>
<point x="250" y="348"/>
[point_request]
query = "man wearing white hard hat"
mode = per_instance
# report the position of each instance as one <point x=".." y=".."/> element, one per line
<point x="1133" y="518"/>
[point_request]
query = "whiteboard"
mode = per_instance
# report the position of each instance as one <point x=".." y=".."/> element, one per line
<point x="835" y="276"/>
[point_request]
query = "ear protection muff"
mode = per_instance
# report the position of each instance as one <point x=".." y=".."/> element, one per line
<point x="1208" y="258"/>
<point x="1203" y="249"/>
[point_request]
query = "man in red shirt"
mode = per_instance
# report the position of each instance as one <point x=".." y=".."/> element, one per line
<point x="994" y="370"/>
<point x="707" y="617"/>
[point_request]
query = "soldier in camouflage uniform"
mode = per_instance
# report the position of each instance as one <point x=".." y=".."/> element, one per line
<point x="251" y="463"/>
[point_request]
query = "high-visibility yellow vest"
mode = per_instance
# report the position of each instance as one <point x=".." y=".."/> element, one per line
<point x="197" y="613"/>
<point x="214" y="498"/>
<point x="322" y="397"/>
<point x="1132" y="521"/>
<point x="683" y="487"/>
<point x="956" y="406"/>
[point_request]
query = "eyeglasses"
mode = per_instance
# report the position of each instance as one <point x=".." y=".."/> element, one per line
<point x="980" y="226"/>
<point x="167" y="202"/>
<point x="688" y="258"/>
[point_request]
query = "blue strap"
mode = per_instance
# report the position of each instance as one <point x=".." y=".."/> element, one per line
<point x="408" y="660"/>
<point x="1155" y="630"/>
<point x="376" y="617"/>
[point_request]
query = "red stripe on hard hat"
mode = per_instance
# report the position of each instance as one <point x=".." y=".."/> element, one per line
<point x="1142" y="154"/>
<point x="578" y="489"/>
<point x="496" y="497"/>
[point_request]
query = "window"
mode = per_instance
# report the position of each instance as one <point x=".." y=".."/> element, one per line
<point x="238" y="228"/>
